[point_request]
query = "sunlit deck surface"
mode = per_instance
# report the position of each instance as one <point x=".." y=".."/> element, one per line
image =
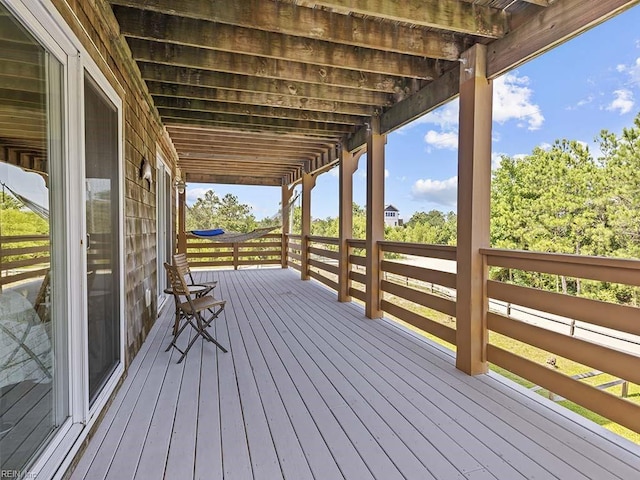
<point x="312" y="389"/>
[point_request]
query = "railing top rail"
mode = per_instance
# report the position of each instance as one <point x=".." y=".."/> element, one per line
<point x="327" y="240"/>
<point x="356" y="242"/>
<point x="446" y="252"/>
<point x="616" y="270"/>
<point x="22" y="238"/>
<point x="562" y="258"/>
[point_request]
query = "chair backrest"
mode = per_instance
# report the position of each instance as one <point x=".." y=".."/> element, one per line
<point x="180" y="261"/>
<point x="178" y="284"/>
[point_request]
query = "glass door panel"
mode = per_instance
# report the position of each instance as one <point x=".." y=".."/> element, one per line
<point x="33" y="320"/>
<point x="103" y="234"/>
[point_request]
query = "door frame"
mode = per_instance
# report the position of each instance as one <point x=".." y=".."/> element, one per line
<point x="163" y="198"/>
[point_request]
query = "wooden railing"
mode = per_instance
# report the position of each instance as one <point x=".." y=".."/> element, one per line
<point x="357" y="269"/>
<point x="415" y="294"/>
<point x="294" y="251"/>
<point x="584" y="351"/>
<point x="266" y="250"/>
<point x="323" y="260"/>
<point x="23" y="258"/>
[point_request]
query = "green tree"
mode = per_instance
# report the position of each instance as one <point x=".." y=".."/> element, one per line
<point x="211" y="211"/>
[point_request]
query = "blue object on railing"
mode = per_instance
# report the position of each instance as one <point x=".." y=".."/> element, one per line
<point x="208" y="233"/>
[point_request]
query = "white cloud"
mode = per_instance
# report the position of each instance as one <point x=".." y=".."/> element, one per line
<point x="545" y="146"/>
<point x="496" y="159"/>
<point x="623" y="101"/>
<point x="582" y="103"/>
<point x="442" y="192"/>
<point x="194" y="193"/>
<point x="446" y="117"/>
<point x="632" y="70"/>
<point x="442" y="139"/>
<point x="335" y="171"/>
<point x="512" y="100"/>
<point x="386" y="173"/>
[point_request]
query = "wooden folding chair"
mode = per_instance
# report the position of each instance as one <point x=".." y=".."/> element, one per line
<point x="191" y="310"/>
<point x="180" y="261"/>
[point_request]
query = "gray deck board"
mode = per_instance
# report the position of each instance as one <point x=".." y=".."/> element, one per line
<point x="310" y="389"/>
<point x="497" y="433"/>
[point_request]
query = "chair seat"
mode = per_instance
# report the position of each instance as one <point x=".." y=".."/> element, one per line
<point x="202" y="303"/>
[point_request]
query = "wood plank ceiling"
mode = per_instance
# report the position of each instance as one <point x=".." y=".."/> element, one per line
<point x="259" y="91"/>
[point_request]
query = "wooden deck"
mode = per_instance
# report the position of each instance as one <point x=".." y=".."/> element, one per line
<point x="310" y="389"/>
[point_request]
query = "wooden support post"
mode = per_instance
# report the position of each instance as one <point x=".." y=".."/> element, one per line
<point x="474" y="188"/>
<point x="375" y="217"/>
<point x="182" y="222"/>
<point x="286" y="198"/>
<point x="347" y="167"/>
<point x="236" y="258"/>
<point x="308" y="182"/>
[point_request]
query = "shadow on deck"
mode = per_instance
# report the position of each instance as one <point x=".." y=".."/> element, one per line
<point x="310" y="388"/>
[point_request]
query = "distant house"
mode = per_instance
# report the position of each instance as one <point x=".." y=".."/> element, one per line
<point x="392" y="216"/>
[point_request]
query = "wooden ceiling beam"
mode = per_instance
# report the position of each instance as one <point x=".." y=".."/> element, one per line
<point x="216" y="146"/>
<point x="291" y="19"/>
<point x="168" y="90"/>
<point x="328" y="140"/>
<point x="541" y="3"/>
<point x="430" y="97"/>
<point x="256" y="127"/>
<point x="551" y="26"/>
<point x="223" y="169"/>
<point x="249" y="121"/>
<point x="233" y="179"/>
<point x="22" y="85"/>
<point x="257" y="111"/>
<point x="255" y="164"/>
<point x="262" y="91"/>
<point x="452" y="15"/>
<point x="216" y="36"/>
<point x="200" y="58"/>
<point x="215" y="143"/>
<point x="255" y="154"/>
<point x="24" y="97"/>
<point x="230" y="170"/>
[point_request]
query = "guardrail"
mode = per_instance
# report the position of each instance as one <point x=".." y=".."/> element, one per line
<point x="584" y="351"/>
<point x="417" y="285"/>
<point x="266" y="250"/>
<point x="323" y="258"/>
<point x="23" y="257"/>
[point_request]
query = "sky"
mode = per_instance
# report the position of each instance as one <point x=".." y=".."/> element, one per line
<point x="587" y="84"/>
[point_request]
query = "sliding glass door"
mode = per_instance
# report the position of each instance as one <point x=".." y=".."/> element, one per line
<point x="103" y="236"/>
<point x="34" y="371"/>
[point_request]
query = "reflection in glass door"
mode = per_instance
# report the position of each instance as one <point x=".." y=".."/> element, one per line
<point x="33" y="320"/>
<point x="103" y="234"/>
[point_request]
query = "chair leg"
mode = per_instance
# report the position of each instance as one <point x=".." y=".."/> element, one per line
<point x="204" y="324"/>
